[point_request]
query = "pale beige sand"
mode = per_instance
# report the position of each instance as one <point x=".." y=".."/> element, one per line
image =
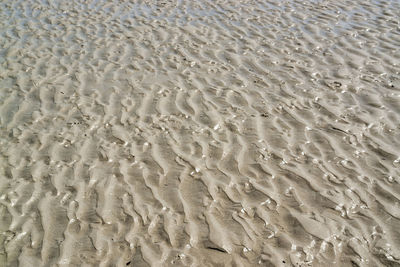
<point x="199" y="133"/>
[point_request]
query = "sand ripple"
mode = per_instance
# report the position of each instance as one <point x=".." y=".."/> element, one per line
<point x="199" y="133"/>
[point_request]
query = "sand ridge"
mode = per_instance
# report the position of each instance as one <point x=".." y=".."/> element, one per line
<point x="199" y="133"/>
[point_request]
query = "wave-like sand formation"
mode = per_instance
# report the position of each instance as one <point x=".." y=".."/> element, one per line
<point x="200" y="133"/>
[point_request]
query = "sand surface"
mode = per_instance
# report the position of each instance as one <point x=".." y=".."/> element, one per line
<point x="199" y="133"/>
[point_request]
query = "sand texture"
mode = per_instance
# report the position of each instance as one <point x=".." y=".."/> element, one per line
<point x="199" y="133"/>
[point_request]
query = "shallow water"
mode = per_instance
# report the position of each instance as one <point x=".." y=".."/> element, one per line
<point x="199" y="133"/>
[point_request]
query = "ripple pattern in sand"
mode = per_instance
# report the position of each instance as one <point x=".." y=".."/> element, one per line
<point x="199" y="133"/>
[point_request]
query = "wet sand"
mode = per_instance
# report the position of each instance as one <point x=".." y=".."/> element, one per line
<point x="199" y="133"/>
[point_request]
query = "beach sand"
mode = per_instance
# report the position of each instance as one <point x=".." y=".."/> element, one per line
<point x="200" y="133"/>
